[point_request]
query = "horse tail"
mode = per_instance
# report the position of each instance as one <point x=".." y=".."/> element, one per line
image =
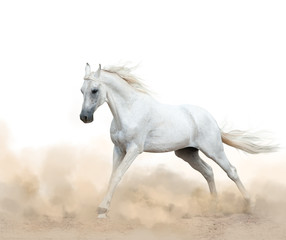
<point x="249" y="142"/>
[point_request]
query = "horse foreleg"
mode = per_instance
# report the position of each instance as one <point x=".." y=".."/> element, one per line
<point x="117" y="174"/>
<point x="118" y="156"/>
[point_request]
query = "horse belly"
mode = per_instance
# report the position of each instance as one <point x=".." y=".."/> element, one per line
<point x="169" y="139"/>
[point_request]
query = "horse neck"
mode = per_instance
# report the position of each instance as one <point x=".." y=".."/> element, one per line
<point x="120" y="96"/>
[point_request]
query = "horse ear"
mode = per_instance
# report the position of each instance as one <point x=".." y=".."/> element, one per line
<point x="97" y="73"/>
<point x="87" y="70"/>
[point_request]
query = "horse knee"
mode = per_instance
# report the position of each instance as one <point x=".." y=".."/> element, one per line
<point x="208" y="173"/>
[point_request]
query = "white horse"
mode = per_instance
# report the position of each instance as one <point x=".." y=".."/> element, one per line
<point x="142" y="124"/>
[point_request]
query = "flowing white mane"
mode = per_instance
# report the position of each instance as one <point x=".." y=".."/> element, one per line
<point x="126" y="74"/>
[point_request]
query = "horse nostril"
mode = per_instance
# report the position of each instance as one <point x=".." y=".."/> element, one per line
<point x="86" y="118"/>
<point x="83" y="117"/>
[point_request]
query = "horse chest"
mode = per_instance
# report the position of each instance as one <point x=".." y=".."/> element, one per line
<point x="121" y="137"/>
<point x="117" y="137"/>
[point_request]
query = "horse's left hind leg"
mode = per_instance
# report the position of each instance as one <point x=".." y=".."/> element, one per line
<point x="191" y="156"/>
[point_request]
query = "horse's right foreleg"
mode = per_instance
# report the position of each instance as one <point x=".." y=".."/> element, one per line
<point x="118" y="156"/>
<point x="121" y="163"/>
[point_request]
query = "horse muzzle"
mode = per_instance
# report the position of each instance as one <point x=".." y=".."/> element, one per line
<point x="86" y="117"/>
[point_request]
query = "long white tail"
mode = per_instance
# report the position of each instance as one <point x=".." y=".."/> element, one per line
<point x="248" y="142"/>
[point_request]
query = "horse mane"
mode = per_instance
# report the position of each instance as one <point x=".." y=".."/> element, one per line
<point x="126" y="73"/>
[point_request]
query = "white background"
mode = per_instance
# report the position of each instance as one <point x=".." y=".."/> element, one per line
<point x="226" y="56"/>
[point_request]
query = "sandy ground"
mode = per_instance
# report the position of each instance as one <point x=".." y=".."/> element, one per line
<point x="149" y="212"/>
<point x="228" y="226"/>
<point x="53" y="193"/>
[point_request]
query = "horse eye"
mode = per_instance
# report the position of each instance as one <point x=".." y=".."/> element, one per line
<point x="93" y="91"/>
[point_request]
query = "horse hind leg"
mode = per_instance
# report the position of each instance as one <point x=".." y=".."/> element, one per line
<point x="220" y="158"/>
<point x="191" y="156"/>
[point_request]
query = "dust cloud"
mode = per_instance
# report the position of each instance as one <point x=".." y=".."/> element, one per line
<point x="53" y="193"/>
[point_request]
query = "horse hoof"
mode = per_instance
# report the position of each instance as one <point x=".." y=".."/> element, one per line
<point x="102" y="212"/>
<point x="102" y="216"/>
<point x="249" y="205"/>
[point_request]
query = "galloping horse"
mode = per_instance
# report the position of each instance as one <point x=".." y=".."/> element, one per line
<point x="142" y="124"/>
